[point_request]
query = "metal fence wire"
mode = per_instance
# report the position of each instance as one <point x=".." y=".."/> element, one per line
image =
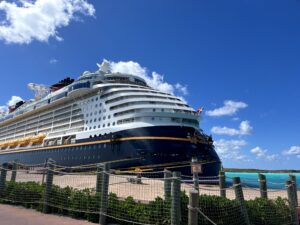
<point x="98" y="193"/>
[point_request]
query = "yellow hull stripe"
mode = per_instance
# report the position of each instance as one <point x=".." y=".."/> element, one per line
<point x="97" y="142"/>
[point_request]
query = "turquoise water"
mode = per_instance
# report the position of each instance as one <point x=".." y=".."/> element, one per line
<point x="274" y="180"/>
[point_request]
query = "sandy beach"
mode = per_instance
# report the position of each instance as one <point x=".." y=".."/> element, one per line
<point x="148" y="190"/>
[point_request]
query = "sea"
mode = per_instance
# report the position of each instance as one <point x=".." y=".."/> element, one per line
<point x="274" y="180"/>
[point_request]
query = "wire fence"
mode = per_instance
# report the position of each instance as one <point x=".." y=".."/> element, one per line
<point x="99" y="193"/>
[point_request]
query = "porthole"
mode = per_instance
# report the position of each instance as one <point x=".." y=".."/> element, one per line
<point x="113" y="123"/>
<point x="94" y="127"/>
<point x="109" y="117"/>
<point x="108" y="124"/>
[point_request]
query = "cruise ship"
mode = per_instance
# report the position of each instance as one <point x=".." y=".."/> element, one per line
<point x="106" y="117"/>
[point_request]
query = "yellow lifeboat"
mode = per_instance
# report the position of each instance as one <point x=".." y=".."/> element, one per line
<point x="3" y="145"/>
<point x="13" y="143"/>
<point x="24" y="141"/>
<point x="38" y="138"/>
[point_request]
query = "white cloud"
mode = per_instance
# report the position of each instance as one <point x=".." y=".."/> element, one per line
<point x="28" y="20"/>
<point x="292" y="151"/>
<point x="263" y="154"/>
<point x="53" y="61"/>
<point x="154" y="80"/>
<point x="230" y="149"/>
<point x="181" y="88"/>
<point x="13" y="100"/>
<point x="230" y="108"/>
<point x="3" y="110"/>
<point x="244" y="129"/>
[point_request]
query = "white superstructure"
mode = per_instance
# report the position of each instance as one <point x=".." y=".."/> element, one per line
<point x="95" y="104"/>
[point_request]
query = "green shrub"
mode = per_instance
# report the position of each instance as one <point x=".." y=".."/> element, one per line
<point x="27" y="194"/>
<point x="85" y="204"/>
<point x="263" y="211"/>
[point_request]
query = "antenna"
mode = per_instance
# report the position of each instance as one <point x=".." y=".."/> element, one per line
<point x="40" y="90"/>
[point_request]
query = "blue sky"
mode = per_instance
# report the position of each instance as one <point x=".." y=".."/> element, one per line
<point x="244" y="54"/>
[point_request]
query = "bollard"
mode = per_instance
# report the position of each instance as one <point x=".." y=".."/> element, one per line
<point x="99" y="178"/>
<point x="104" y="194"/>
<point x="263" y="186"/>
<point x="192" y="207"/>
<point x="49" y="183"/>
<point x="167" y="184"/>
<point x="14" y="172"/>
<point x="294" y="182"/>
<point x="195" y="175"/>
<point x="3" y="179"/>
<point x="239" y="196"/>
<point x="222" y="184"/>
<point x="175" y="199"/>
<point x="292" y="202"/>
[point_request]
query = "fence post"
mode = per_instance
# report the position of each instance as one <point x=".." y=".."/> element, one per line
<point x="14" y="172"/>
<point x="49" y="183"/>
<point x="99" y="178"/>
<point x="239" y="196"/>
<point x="3" y="179"/>
<point x="294" y="182"/>
<point x="104" y="194"/>
<point x="292" y="202"/>
<point x="167" y="183"/>
<point x="175" y="199"/>
<point x="192" y="207"/>
<point x="263" y="186"/>
<point x="195" y="175"/>
<point x="44" y="171"/>
<point x="222" y="184"/>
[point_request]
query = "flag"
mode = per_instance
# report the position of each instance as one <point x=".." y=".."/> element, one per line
<point x="200" y="110"/>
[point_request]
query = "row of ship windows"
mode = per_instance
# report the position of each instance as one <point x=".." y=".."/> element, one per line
<point x="131" y="120"/>
<point x="99" y="119"/>
<point x="74" y="149"/>
<point x="99" y="126"/>
<point x="95" y="113"/>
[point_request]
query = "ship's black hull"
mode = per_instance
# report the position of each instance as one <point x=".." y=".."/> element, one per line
<point x="168" y="146"/>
